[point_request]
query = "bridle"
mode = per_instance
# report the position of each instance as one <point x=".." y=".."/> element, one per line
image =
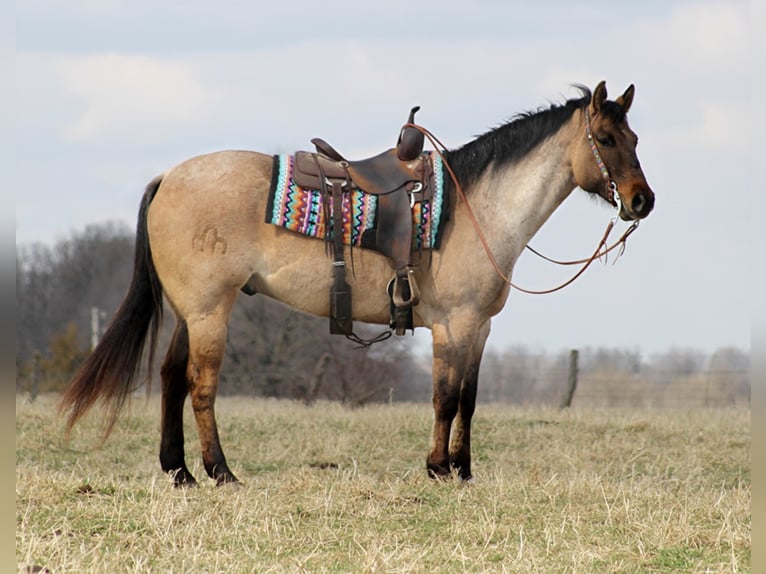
<point x="610" y="185"/>
<point x="602" y="250"/>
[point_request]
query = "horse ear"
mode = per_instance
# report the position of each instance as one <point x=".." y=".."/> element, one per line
<point x="599" y="97"/>
<point x="627" y="98"/>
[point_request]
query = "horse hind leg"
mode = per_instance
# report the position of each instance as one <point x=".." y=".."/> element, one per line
<point x="207" y="341"/>
<point x="174" y="390"/>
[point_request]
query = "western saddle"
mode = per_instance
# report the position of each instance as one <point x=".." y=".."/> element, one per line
<point x="398" y="177"/>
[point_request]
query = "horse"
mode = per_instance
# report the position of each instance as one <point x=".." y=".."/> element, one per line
<point x="201" y="239"/>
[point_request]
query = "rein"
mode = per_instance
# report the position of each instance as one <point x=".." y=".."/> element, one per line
<point x="612" y="197"/>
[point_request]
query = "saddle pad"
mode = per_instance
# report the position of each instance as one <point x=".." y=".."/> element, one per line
<point x="301" y="210"/>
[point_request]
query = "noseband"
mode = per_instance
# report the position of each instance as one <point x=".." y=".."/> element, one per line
<point x="610" y="185"/>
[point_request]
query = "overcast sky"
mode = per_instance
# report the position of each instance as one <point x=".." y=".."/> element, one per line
<point x="111" y="93"/>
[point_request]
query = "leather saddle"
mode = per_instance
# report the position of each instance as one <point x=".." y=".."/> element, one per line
<point x="399" y="177"/>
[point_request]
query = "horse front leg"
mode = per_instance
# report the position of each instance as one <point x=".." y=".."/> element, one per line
<point x="174" y="391"/>
<point x="455" y="374"/>
<point x="460" y="442"/>
<point x="207" y="340"/>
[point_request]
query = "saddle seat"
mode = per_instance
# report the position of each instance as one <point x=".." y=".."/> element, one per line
<point x="377" y="175"/>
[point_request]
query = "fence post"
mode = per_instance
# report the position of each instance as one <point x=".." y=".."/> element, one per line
<point x="571" y="380"/>
<point x="97" y="317"/>
<point x="35" y="390"/>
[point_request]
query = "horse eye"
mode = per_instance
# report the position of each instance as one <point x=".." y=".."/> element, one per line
<point x="605" y="140"/>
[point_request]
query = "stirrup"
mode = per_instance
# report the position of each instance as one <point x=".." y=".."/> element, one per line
<point x="399" y="301"/>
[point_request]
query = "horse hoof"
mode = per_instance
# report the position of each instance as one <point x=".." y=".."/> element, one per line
<point x="183" y="479"/>
<point x="228" y="480"/>
<point x="439" y="473"/>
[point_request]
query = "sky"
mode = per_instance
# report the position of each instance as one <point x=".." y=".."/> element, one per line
<point x="111" y="93"/>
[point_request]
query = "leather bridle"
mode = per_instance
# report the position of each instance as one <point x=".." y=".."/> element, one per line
<point x="611" y="195"/>
<point x="610" y="186"/>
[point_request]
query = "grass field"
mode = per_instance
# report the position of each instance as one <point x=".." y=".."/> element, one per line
<point x="328" y="489"/>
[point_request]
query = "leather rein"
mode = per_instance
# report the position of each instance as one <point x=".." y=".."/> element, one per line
<point x="603" y="248"/>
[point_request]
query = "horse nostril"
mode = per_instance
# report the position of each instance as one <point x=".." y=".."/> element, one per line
<point x="638" y="203"/>
<point x="642" y="204"/>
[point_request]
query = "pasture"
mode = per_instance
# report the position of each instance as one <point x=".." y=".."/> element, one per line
<point x="328" y="489"/>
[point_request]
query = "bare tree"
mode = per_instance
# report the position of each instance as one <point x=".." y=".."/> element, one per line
<point x="58" y="285"/>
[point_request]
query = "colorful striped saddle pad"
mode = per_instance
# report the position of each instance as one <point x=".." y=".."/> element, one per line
<point x="301" y="210"/>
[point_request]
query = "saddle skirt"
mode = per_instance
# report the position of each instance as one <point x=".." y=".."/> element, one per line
<point x="302" y="209"/>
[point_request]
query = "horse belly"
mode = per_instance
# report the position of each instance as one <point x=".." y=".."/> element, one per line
<point x="298" y="271"/>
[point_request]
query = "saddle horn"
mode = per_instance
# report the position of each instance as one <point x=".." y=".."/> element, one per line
<point x="411" y="140"/>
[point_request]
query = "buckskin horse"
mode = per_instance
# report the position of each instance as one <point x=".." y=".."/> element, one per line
<point x="201" y="239"/>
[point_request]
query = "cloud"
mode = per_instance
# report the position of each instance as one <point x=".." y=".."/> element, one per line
<point x="124" y="95"/>
<point x="721" y="125"/>
<point x="691" y="67"/>
<point x="702" y="45"/>
<point x="710" y="36"/>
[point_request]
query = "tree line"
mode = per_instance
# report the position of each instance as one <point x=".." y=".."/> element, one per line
<point x="275" y="351"/>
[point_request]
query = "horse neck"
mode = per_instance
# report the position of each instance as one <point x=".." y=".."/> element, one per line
<point x="520" y="198"/>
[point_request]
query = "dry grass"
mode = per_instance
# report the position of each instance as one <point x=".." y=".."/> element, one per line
<point x="333" y="490"/>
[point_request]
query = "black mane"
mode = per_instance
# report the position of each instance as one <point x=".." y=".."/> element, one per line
<point x="512" y="140"/>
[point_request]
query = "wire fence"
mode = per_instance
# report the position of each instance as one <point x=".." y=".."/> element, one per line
<point x="704" y="389"/>
<point x="527" y="382"/>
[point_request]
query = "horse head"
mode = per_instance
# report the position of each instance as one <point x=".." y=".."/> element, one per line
<point x="605" y="161"/>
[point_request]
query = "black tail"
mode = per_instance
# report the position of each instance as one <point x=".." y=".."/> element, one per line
<point x="109" y="373"/>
